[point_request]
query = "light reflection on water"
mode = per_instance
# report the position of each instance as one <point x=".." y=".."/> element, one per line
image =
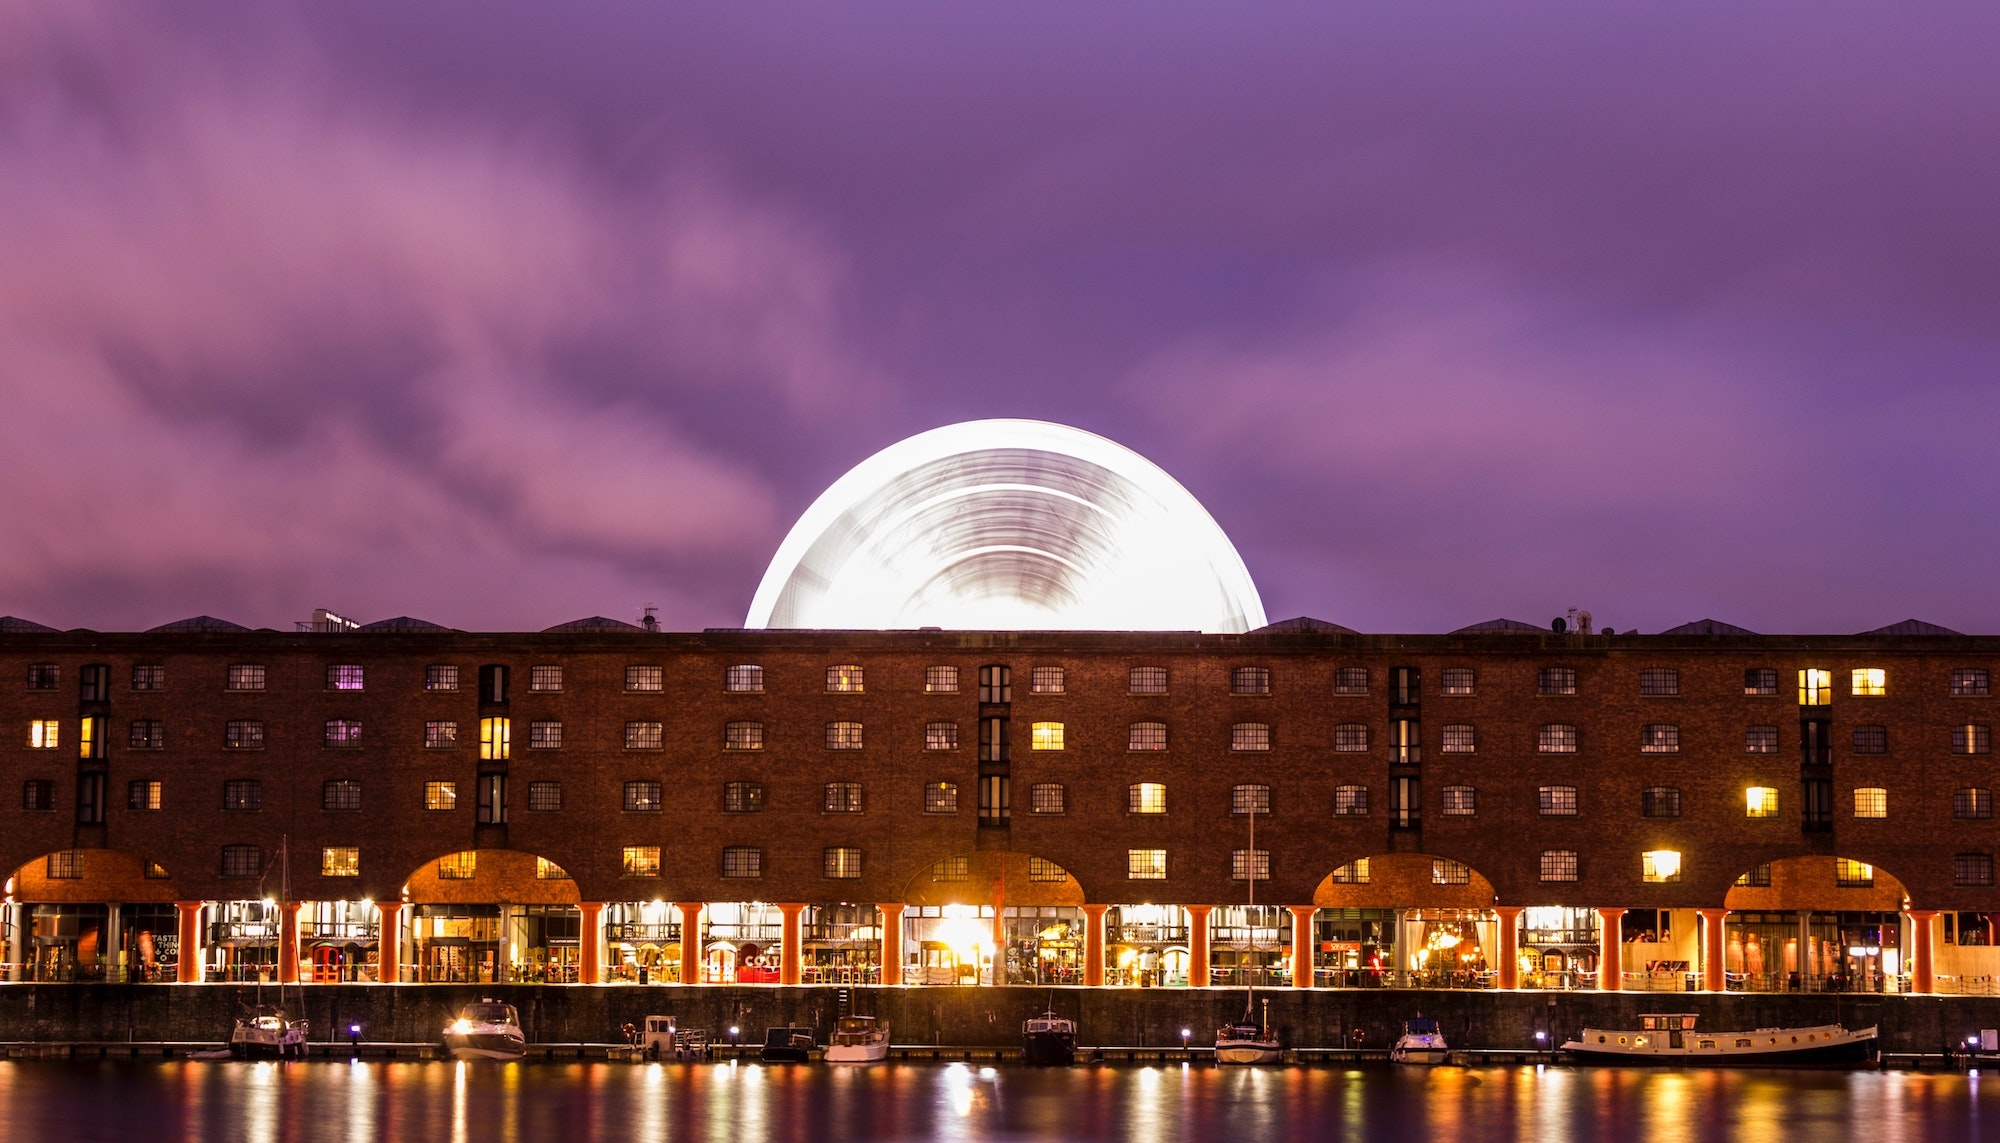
<point x="348" y="1102"/>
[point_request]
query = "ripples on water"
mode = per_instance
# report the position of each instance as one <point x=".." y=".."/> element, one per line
<point x="152" y="1102"/>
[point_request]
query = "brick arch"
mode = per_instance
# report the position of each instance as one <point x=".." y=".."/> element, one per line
<point x="498" y="875"/>
<point x="1403" y="880"/>
<point x="108" y="875"/>
<point x="1806" y="881"/>
<point x="991" y="874"/>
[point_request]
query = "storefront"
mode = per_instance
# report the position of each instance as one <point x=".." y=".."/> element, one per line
<point x="741" y="942"/>
<point x="948" y="944"/>
<point x="1250" y="945"/>
<point x="1559" y="947"/>
<point x="68" y="942"/>
<point x="642" y="942"/>
<point x="341" y="940"/>
<point x="242" y="940"/>
<point x="1448" y="947"/>
<point x="842" y="944"/>
<point x="1354" y="948"/>
<point x="541" y="943"/>
<point x="457" y="944"/>
<point x="1146" y="945"/>
<point x="1044" y="944"/>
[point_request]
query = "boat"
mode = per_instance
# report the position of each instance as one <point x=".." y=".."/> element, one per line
<point x="1671" y="1038"/>
<point x="858" y="1040"/>
<point x="266" y="1033"/>
<point x="1248" y="1041"/>
<point x="1049" y="1040"/>
<point x="488" y="1030"/>
<point x="1420" y="1043"/>
<point x="788" y="1045"/>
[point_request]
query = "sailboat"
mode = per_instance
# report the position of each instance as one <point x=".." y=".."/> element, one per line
<point x="1249" y="1040"/>
<point x="264" y="1031"/>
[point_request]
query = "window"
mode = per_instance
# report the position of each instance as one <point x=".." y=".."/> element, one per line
<point x="742" y="797"/>
<point x="42" y="676"/>
<point x="1868" y="682"/>
<point x="155" y="872"/>
<point x="1459" y="802"/>
<point x="1045" y="798"/>
<point x="1556" y="738"/>
<point x="643" y="797"/>
<point x="242" y="861"/>
<point x="1556" y="681"/>
<point x="940" y="736"/>
<point x="742" y="861"/>
<point x="743" y="678"/>
<point x="1249" y="865"/>
<point x="94" y="683"/>
<point x="844" y="679"/>
<point x="1250" y="681"/>
<point x="1760" y="802"/>
<point x="1659" y="738"/>
<point x="1871" y="740"/>
<point x="1558" y="865"/>
<point x="544" y="797"/>
<point x="545" y="678"/>
<point x="343" y="677"/>
<point x="842" y="798"/>
<point x="440" y="795"/>
<point x="1849" y="874"/>
<point x="1350" y="738"/>
<point x="1558" y="801"/>
<point x="1042" y="869"/>
<point x="153" y="677"/>
<point x="1045" y="681"/>
<point x="995" y="799"/>
<point x="440" y="677"/>
<point x="245" y="677"/>
<point x="1458" y="739"/>
<point x="1972" y="739"/>
<point x="1972" y="869"/>
<point x="493" y="684"/>
<point x="1350" y="801"/>
<point x="440" y="735"/>
<point x="1250" y="736"/>
<point x="1353" y="873"/>
<point x="996" y="684"/>
<point x="841" y="863"/>
<point x="340" y="861"/>
<point x="1964" y="681"/>
<point x="1445" y="871"/>
<point x="843" y="736"/>
<point x="91" y="794"/>
<point x="143" y="795"/>
<point x="1146" y="736"/>
<point x="1250" y="798"/>
<point x="545" y="735"/>
<point x="460" y="866"/>
<point x="342" y="732"/>
<point x="640" y="861"/>
<point x="940" y="798"/>
<point x="1972" y="802"/>
<point x="546" y="870"/>
<point x="645" y="735"/>
<point x="1871" y="802"/>
<point x="639" y="678"/>
<point x="44" y="733"/>
<point x="1660" y="802"/>
<point x="1406" y="686"/>
<point x="1146" y="798"/>
<point x="1760" y="681"/>
<point x="340" y="794"/>
<point x="1659" y="681"/>
<point x="1047" y="736"/>
<point x="1759" y="877"/>
<point x="1815" y="687"/>
<point x="93" y="737"/>
<point x="491" y="804"/>
<point x="1146" y="864"/>
<point x="148" y="734"/>
<point x="1456" y="680"/>
<point x="1350" y="681"/>
<point x="941" y="680"/>
<point x="1760" y="740"/>
<point x="38" y="794"/>
<point x="743" y="736"/>
<point x="242" y="794"/>
<point x="1660" y="866"/>
<point x="952" y="869"/>
<point x="495" y="739"/>
<point x="1147" y="681"/>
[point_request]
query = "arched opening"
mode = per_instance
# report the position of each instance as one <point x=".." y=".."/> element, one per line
<point x="1816" y="924"/>
<point x="491" y="915"/>
<point x="1405" y="920"/>
<point x="90" y="914"/>
<point x="994" y="917"/>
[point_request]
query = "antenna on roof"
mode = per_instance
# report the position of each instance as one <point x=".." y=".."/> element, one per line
<point x="651" y="620"/>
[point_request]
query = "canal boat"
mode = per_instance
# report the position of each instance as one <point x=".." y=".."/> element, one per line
<point x="1049" y="1040"/>
<point x="1670" y="1038"/>
<point x="788" y="1045"/>
<point x="1420" y="1043"/>
<point x="858" y="1040"/>
<point x="487" y="1030"/>
<point x="266" y="1033"/>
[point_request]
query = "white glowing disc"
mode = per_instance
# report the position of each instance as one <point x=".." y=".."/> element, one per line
<point x="1007" y="525"/>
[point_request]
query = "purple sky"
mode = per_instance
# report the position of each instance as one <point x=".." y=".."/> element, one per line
<point x="500" y="315"/>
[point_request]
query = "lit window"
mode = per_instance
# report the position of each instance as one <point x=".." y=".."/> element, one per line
<point x="1351" y="737"/>
<point x="743" y="678"/>
<point x="242" y="861"/>
<point x="1558" y="865"/>
<point x="1659" y="681"/>
<point x="743" y="736"/>
<point x="1972" y="802"/>
<point x="1350" y="681"/>
<point x="44" y="733"/>
<point x="645" y="735"/>
<point x="1556" y="681"/>
<point x="243" y="734"/>
<point x="1869" y="682"/>
<point x="340" y="861"/>
<point x="1871" y="740"/>
<point x="460" y="866"/>
<point x="1849" y="874"/>
<point x="1659" y="738"/>
<point x="843" y="736"/>
<point x="1353" y="873"/>
<point x="1250" y="736"/>
<point x="941" y="680"/>
<point x="844" y="679"/>
<point x="1147" y="681"/>
<point x="1250" y="798"/>
<point x="1459" y="801"/>
<point x="245" y="677"/>
<point x="1972" y="869"/>
<point x="742" y="797"/>
<point x="42" y="676"/>
<point x="156" y="872"/>
<point x="1871" y="802"/>
<point x="1146" y="736"/>
<point x="1250" y="865"/>
<point x="1760" y="802"/>
<point x="952" y="869"/>
<point x="842" y="798"/>
<point x="1045" y="798"/>
<point x="1760" y="681"/>
<point x="342" y="794"/>
<point x="1815" y="687"/>
<point x="1558" y="801"/>
<point x="245" y="794"/>
<point x="940" y="798"/>
<point x="1456" y="680"/>
<point x="440" y="795"/>
<point x="544" y="797"/>
<point x="153" y="677"/>
<point x="344" y="677"/>
<point x="1146" y="798"/>
<point x="549" y="678"/>
<point x="841" y="863"/>
<point x="1042" y="869"/>
<point x="1146" y="864"/>
<point x="144" y="796"/>
<point x="639" y="678"/>
<point x="1556" y="738"/>
<point x="1045" y="681"/>
<point x="1458" y="739"/>
<point x="1967" y="681"/>
<point x="546" y="870"/>
<point x="440" y="735"/>
<point x="940" y="736"/>
<point x="643" y="797"/>
<point x="1350" y="801"/>
<point x="1660" y="866"/>
<point x="1047" y="736"/>
<point x="1759" y="877"/>
<point x="440" y="677"/>
<point x="1971" y="739"/>
<point x="1660" y="802"/>
<point x="1445" y="871"/>
<point x="1760" y="740"/>
<point x="1250" y="681"/>
<point x="641" y="861"/>
<point x="495" y="739"/>
<point x="343" y="732"/>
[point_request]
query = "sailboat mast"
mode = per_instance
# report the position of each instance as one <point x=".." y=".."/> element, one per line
<point x="1249" y="913"/>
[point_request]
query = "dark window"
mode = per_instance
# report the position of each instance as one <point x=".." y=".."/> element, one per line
<point x="743" y="736"/>
<point x="440" y="677"/>
<point x="1350" y="801"/>
<point x="544" y="797"/>
<point x="993" y="740"/>
<point x="1250" y="681"/>
<point x="1405" y="802"/>
<point x="343" y="732"/>
<point x="492" y="799"/>
<point x="1815" y="742"/>
<point x="742" y="861"/>
<point x="1969" y="681"/>
<point x="148" y="734"/>
<point x="1350" y="681"/>
<point x="1147" y="681"/>
<point x="1971" y="739"/>
<point x="548" y="677"/>
<point x="996" y="684"/>
<point x="42" y="676"/>
<point x="1760" y="681"/>
<point x="243" y="794"/>
<point x="95" y="682"/>
<point x="1406" y="686"/>
<point x="1559" y="865"/>
<point x="1758" y="878"/>
<point x="340" y="794"/>
<point x="493" y="685"/>
<point x="1760" y="740"/>
<point x="1972" y="869"/>
<point x="1660" y="802"/>
<point x="742" y="797"/>
<point x="1558" y="801"/>
<point x="1046" y="798"/>
<point x="1659" y="681"/>
<point x="1456" y="681"/>
<point x="242" y="734"/>
<point x="545" y="736"/>
<point x="1972" y="802"/>
<point x="1871" y="740"/>
<point x="149" y="677"/>
<point x="1556" y="681"/>
<point x="245" y="677"/>
<point x="64" y="865"/>
<point x="1248" y="799"/>
<point x="1556" y="738"/>
<point x="242" y="861"/>
<point x="1659" y="738"/>
<point x="643" y="797"/>
<point x="38" y="794"/>
<point x="1818" y="796"/>
<point x="995" y="801"/>
<point x="841" y="798"/>
<point x="91" y="795"/>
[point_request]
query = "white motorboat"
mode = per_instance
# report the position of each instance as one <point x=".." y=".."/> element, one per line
<point x="858" y="1040"/>
<point x="1420" y="1043"/>
<point x="266" y="1033"/>
<point x="487" y="1030"/>
<point x="1670" y="1038"/>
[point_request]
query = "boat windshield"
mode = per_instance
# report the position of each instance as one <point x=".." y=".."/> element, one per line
<point x="857" y="1024"/>
<point x="1421" y="1026"/>
<point x="489" y="1014"/>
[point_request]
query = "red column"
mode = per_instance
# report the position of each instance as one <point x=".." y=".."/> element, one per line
<point x="590" y="944"/>
<point x="288" y="941"/>
<point x="1923" y="971"/>
<point x="1198" y="968"/>
<point x="693" y="960"/>
<point x="191" y="943"/>
<point x="892" y="942"/>
<point x="1714" y="965"/>
<point x="1093" y="944"/>
<point x="1610" y="951"/>
<point x="389" y="943"/>
<point x="1302" y="944"/>
<point x="1510" y="945"/>
<point x="791" y="950"/>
